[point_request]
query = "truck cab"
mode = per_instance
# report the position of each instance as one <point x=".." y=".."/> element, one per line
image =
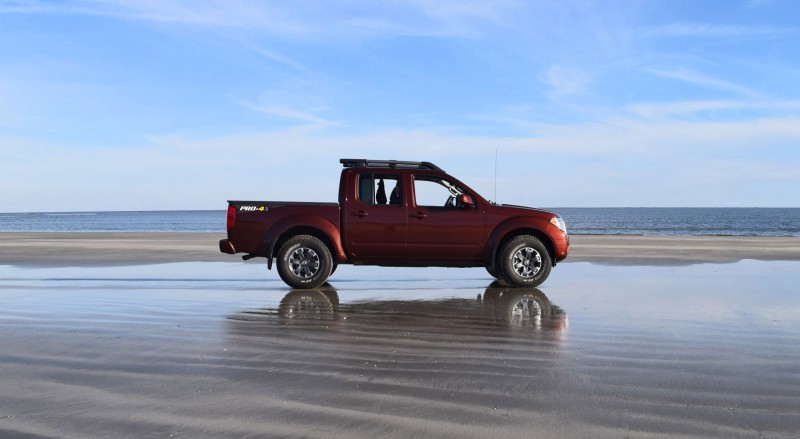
<point x="415" y="216"/>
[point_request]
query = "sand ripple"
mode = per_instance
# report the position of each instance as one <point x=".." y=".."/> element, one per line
<point x="102" y="358"/>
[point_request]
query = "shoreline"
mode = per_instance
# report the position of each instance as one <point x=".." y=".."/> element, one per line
<point x="144" y="248"/>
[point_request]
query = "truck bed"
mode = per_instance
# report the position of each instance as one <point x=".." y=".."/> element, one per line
<point x="255" y="218"/>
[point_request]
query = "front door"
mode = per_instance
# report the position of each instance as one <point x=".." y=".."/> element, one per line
<point x="440" y="227"/>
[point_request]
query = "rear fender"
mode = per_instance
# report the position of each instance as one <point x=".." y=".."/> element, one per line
<point x="303" y="224"/>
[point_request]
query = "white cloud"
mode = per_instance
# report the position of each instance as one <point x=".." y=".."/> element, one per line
<point x="632" y="162"/>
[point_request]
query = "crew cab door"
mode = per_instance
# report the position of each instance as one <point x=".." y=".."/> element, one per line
<point x="375" y="218"/>
<point x="440" y="225"/>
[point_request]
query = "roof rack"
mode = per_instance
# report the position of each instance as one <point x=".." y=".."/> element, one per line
<point x="393" y="164"/>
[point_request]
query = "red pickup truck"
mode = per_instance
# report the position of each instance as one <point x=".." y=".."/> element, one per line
<point x="397" y="213"/>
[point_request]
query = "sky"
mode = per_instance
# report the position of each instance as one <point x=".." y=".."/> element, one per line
<point x="184" y="104"/>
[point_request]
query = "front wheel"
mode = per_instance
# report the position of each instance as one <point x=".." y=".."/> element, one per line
<point x="524" y="261"/>
<point x="304" y="262"/>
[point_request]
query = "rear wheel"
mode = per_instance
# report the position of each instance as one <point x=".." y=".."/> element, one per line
<point x="524" y="262"/>
<point x="492" y="271"/>
<point x="304" y="261"/>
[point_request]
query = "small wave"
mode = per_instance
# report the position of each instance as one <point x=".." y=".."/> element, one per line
<point x="72" y="214"/>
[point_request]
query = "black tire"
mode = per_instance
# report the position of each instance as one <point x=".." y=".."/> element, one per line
<point x="524" y="261"/>
<point x="492" y="272"/>
<point x="304" y="262"/>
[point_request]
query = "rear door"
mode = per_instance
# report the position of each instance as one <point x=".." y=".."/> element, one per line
<point x="375" y="216"/>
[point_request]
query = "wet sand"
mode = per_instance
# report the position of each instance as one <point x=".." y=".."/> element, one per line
<point x="224" y="349"/>
<point x="92" y="249"/>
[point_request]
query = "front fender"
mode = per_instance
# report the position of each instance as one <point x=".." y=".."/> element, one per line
<point x="511" y="225"/>
<point x="301" y="222"/>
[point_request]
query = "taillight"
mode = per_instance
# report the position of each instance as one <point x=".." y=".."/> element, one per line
<point x="231" y="217"/>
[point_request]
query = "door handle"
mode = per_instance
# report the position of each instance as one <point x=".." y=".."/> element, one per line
<point x="361" y="213"/>
<point x="418" y="215"/>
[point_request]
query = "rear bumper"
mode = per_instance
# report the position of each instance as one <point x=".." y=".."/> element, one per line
<point x="225" y="246"/>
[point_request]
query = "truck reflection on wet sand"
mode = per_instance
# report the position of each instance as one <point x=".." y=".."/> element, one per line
<point x="457" y="365"/>
<point x="498" y="306"/>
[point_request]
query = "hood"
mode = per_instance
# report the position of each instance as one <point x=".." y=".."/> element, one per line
<point x="526" y="209"/>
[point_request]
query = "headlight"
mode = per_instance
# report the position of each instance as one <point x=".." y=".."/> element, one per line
<point x="559" y="222"/>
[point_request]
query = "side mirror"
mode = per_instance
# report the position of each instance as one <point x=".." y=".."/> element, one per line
<point x="466" y="201"/>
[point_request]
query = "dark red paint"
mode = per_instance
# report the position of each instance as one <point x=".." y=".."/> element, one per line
<point x="394" y="235"/>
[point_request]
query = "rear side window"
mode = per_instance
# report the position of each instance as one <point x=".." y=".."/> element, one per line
<point x="379" y="189"/>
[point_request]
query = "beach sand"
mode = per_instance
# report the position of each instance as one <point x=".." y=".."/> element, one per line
<point x="91" y="249"/>
<point x="160" y="335"/>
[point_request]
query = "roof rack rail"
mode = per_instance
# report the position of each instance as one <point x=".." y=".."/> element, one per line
<point x="393" y="164"/>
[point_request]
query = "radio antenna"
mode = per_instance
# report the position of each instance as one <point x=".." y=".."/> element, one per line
<point x="495" y="176"/>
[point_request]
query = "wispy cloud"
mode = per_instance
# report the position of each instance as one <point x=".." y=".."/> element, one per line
<point x="566" y="81"/>
<point x="622" y="135"/>
<point x="274" y="56"/>
<point x="697" y="78"/>
<point x="708" y="30"/>
<point x="682" y="108"/>
<point x="459" y="17"/>
<point x="234" y="17"/>
<point x="300" y="19"/>
<point x="758" y="3"/>
<point x="288" y="113"/>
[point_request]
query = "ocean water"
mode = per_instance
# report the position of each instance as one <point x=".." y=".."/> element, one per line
<point x="580" y="221"/>
<point x="120" y="221"/>
<point x="682" y="221"/>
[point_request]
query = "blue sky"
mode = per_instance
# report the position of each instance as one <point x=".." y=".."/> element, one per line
<point x="138" y="105"/>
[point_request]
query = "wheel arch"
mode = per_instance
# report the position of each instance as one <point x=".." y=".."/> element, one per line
<point x="513" y="228"/>
<point x="319" y="228"/>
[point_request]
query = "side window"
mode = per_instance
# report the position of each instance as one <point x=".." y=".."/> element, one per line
<point x="379" y="189"/>
<point x="366" y="192"/>
<point x="435" y="192"/>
